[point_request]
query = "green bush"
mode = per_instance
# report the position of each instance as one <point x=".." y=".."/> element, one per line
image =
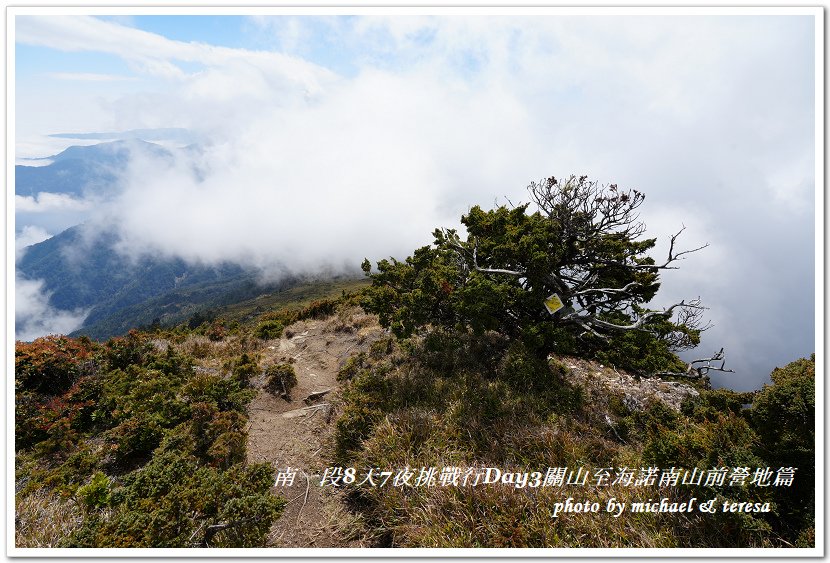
<point x="96" y="493"/>
<point x="173" y="501"/>
<point x="638" y="351"/>
<point x="123" y="351"/>
<point x="31" y="419"/>
<point x="268" y="330"/>
<point x="711" y="404"/>
<point x="280" y="379"/>
<point x="783" y="414"/>
<point x="216" y="332"/>
<point x="171" y="440"/>
<point x="351" y="367"/>
<point x="219" y="436"/>
<point x="382" y="348"/>
<point x="226" y="394"/>
<point x="319" y="309"/>
<point x="244" y="369"/>
<point x="134" y="439"/>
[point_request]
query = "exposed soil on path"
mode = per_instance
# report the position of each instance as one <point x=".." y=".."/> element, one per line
<point x="297" y="434"/>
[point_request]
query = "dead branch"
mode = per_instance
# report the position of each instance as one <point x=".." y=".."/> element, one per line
<point x="613" y="429"/>
<point x="717" y="357"/>
<point x="694" y="371"/>
<point x="580" y="318"/>
<point x="195" y="533"/>
<point x="492" y="270"/>
<point x="604" y="290"/>
<point x="213" y="529"/>
<point x="585" y="209"/>
<point x="305" y="500"/>
<point x="316" y="395"/>
<point x="674" y="257"/>
<point x="315" y="408"/>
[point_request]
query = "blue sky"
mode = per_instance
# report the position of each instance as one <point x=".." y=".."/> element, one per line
<point x="324" y="44"/>
<point x="397" y="124"/>
<point x="228" y="31"/>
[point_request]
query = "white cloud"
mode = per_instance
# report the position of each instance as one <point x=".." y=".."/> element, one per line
<point x="711" y="117"/>
<point x="28" y="236"/>
<point x="46" y="202"/>
<point x="52" y="212"/>
<point x="90" y="76"/>
<point x="34" y="316"/>
<point x="149" y="52"/>
<point x="369" y="169"/>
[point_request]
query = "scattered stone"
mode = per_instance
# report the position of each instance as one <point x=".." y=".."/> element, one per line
<point x="636" y="392"/>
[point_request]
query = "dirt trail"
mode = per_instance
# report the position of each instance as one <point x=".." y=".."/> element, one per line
<point x="297" y="434"/>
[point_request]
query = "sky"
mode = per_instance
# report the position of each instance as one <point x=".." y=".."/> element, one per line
<point x="326" y="139"/>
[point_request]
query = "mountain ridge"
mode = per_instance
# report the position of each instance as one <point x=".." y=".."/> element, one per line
<point x="80" y="169"/>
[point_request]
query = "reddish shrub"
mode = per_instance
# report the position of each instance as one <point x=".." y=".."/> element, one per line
<point x="51" y="364"/>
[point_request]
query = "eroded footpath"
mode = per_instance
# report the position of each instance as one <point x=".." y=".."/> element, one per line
<point x="298" y="433"/>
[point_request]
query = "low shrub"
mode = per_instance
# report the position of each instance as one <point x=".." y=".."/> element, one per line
<point x="244" y="369"/>
<point x="268" y="330"/>
<point x="280" y="379"/>
<point x="96" y="493"/>
<point x="123" y="351"/>
<point x="173" y="501"/>
<point x="351" y="367"/>
<point x="51" y="364"/>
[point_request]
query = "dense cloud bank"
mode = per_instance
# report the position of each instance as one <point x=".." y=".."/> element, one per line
<point x="317" y="160"/>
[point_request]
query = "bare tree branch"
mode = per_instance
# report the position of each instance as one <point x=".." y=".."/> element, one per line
<point x="639" y="323"/>
<point x="622" y="290"/>
<point x="673" y="257"/>
<point x="213" y="529"/>
<point x="699" y="371"/>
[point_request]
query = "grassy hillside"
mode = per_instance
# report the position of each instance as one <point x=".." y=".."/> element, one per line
<point x="294" y="297"/>
<point x="457" y="404"/>
<point x="141" y="441"/>
<point x="240" y="297"/>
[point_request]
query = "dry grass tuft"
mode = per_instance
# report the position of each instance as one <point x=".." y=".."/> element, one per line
<point x="43" y="518"/>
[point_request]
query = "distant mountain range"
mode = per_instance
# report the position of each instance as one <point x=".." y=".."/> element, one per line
<point x="174" y="134"/>
<point x="80" y="272"/>
<point x="84" y="169"/>
<point x="124" y="293"/>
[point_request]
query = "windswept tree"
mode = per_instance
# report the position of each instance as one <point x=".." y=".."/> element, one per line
<point x="567" y="272"/>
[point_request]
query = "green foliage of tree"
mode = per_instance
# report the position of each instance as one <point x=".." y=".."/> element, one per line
<point x="581" y="242"/>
